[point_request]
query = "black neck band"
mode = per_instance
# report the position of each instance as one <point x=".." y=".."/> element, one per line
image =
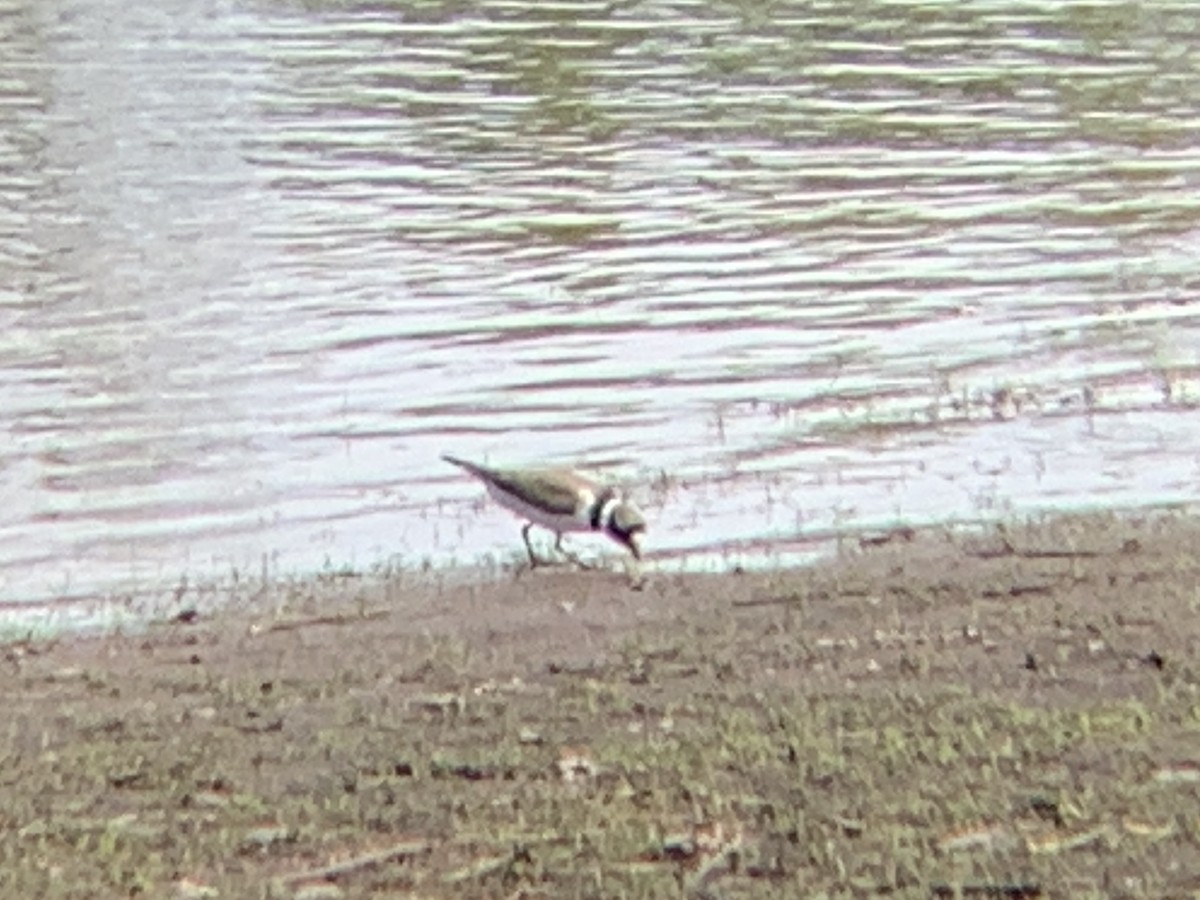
<point x="598" y="507"/>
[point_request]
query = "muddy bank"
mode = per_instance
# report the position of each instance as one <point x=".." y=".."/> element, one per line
<point x="1009" y="713"/>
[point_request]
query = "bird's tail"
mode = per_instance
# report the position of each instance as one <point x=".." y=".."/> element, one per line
<point x="478" y="471"/>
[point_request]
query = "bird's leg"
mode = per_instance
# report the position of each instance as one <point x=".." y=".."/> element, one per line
<point x="534" y="562"/>
<point x="570" y="557"/>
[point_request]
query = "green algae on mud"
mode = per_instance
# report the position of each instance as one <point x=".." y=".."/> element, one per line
<point x="1012" y="712"/>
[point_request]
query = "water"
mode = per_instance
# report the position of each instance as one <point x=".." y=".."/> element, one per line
<point x="788" y="272"/>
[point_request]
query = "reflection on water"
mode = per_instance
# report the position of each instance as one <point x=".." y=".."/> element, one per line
<point x="261" y="264"/>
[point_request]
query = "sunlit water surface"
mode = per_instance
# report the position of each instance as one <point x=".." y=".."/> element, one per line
<point x="786" y="277"/>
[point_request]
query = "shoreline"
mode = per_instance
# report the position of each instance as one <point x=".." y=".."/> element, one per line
<point x="99" y="614"/>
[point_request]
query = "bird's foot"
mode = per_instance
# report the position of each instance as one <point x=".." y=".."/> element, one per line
<point x="573" y="559"/>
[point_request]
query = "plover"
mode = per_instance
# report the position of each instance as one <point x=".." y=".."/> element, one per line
<point x="561" y="500"/>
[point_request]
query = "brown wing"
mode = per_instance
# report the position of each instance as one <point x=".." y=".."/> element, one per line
<point x="554" y="489"/>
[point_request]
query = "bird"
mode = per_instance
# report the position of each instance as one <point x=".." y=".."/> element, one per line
<point x="560" y="500"/>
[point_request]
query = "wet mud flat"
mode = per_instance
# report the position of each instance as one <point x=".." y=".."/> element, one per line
<point x="1011" y="712"/>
